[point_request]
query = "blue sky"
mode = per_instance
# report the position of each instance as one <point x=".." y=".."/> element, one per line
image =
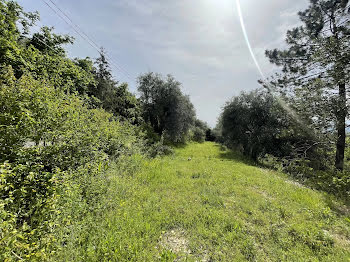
<point x="199" y="42"/>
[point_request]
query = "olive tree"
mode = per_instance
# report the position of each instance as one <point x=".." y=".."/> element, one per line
<point x="165" y="107"/>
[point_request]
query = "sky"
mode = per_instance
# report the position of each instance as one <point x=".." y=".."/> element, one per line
<point x="199" y="42"/>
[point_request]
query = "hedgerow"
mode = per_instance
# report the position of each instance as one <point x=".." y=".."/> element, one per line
<point x="55" y="151"/>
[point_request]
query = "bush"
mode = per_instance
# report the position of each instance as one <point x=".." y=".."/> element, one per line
<point x="337" y="183"/>
<point x="160" y="149"/>
<point x="28" y="206"/>
<point x="198" y="135"/>
<point x="255" y="122"/>
<point x="53" y="147"/>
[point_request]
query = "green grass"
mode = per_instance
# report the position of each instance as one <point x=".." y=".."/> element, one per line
<point x="214" y="207"/>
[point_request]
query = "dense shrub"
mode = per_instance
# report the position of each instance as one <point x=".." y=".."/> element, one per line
<point x="199" y="131"/>
<point x="210" y="135"/>
<point x="336" y="182"/>
<point x="198" y="135"/>
<point x="27" y="206"/>
<point x="51" y="141"/>
<point x="159" y="149"/>
<point x="255" y="123"/>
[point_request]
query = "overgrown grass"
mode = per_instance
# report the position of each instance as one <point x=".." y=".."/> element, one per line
<point x="206" y="204"/>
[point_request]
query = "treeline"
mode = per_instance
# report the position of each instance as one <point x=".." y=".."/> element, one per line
<point x="63" y="123"/>
<point x="298" y="121"/>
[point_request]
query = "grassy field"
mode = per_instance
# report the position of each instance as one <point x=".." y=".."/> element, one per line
<point x="208" y="204"/>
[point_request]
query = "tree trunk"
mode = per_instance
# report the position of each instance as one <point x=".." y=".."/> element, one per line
<point x="341" y="119"/>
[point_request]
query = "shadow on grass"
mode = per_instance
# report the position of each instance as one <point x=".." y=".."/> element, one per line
<point x="340" y="206"/>
<point x="234" y="155"/>
<point x="177" y="145"/>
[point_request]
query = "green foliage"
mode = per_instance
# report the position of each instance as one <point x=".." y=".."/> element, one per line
<point x="114" y="98"/>
<point x="337" y="183"/>
<point x="42" y="54"/>
<point x="60" y="71"/>
<point x="27" y="207"/>
<point x="303" y="170"/>
<point x="198" y="135"/>
<point x="159" y="149"/>
<point x="75" y="183"/>
<point x="11" y="16"/>
<point x="199" y="131"/>
<point x="315" y="70"/>
<point x="48" y="137"/>
<point x="210" y="135"/>
<point x="255" y="123"/>
<point x="165" y="108"/>
<point x="55" y="144"/>
<point x="48" y="42"/>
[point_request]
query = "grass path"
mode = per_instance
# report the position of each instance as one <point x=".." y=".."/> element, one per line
<point x="214" y="207"/>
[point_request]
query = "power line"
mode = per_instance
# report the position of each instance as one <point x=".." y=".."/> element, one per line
<point x="37" y="31"/>
<point x="43" y="42"/>
<point x="85" y="37"/>
<point x="77" y="26"/>
<point x="68" y="23"/>
<point x="91" y="40"/>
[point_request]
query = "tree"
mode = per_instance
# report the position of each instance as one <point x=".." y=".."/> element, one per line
<point x="165" y="108"/>
<point x="210" y="135"/>
<point x="12" y="17"/>
<point x="114" y="97"/>
<point x="255" y="123"/>
<point x="316" y="65"/>
<point x="200" y="130"/>
<point x="41" y="54"/>
<point x="48" y="42"/>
